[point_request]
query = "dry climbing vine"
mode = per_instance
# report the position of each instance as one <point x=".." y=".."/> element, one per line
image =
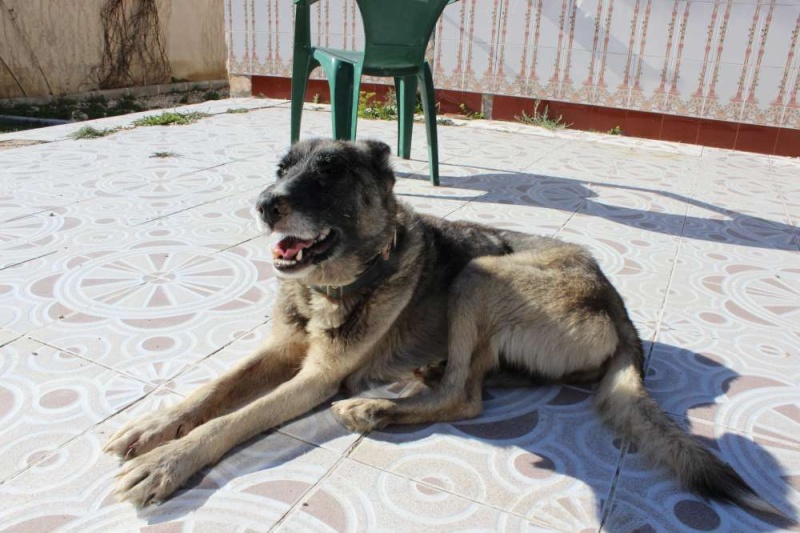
<point x="134" y="51"/>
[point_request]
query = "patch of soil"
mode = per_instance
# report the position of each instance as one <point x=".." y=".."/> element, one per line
<point x="100" y="107"/>
<point x="13" y="143"/>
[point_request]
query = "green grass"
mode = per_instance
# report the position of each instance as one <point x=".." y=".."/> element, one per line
<point x="237" y="110"/>
<point x="616" y="130"/>
<point x="470" y="114"/>
<point x="170" y="117"/>
<point x="164" y="155"/>
<point x="371" y="107"/>
<point x="543" y="119"/>
<point x="88" y="132"/>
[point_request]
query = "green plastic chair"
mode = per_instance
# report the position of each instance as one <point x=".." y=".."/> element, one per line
<point x="396" y="36"/>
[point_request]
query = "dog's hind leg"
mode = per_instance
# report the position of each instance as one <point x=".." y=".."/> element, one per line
<point x="542" y="310"/>
<point x="471" y="355"/>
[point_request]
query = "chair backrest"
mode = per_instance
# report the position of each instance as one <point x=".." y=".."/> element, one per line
<point x="396" y="32"/>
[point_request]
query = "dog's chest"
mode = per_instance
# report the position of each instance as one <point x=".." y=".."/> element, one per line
<point x="328" y="316"/>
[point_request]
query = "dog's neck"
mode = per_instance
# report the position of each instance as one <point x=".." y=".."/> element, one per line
<point x="378" y="269"/>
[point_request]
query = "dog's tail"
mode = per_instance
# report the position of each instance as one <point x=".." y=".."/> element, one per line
<point x="625" y="405"/>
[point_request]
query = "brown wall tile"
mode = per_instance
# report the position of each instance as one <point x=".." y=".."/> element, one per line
<point x="450" y="101"/>
<point x="788" y="142"/>
<point x="718" y="133"/>
<point x="607" y="118"/>
<point x="759" y="139"/>
<point x="642" y="124"/>
<point x="680" y="129"/>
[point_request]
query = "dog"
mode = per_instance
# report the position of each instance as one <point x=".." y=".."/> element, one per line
<point x="370" y="291"/>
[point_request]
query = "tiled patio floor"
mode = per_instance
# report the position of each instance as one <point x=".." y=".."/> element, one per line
<point x="128" y="280"/>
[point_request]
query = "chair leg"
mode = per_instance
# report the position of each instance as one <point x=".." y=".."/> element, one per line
<point x="300" y="72"/>
<point x="406" y="88"/>
<point x="340" y="81"/>
<point x="356" y="96"/>
<point x="429" y="108"/>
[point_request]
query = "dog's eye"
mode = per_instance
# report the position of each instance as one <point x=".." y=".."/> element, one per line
<point x="281" y="172"/>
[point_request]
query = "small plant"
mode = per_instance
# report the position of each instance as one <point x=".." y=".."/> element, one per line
<point x="543" y="119"/>
<point x="315" y="98"/>
<point x="471" y="115"/>
<point x="212" y="95"/>
<point x="237" y="110"/>
<point x="371" y="107"/>
<point x="88" y="132"/>
<point x="164" y="155"/>
<point x="170" y="117"/>
<point x="616" y="130"/>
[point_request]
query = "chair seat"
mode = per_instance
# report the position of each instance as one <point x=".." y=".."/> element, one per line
<point x="321" y="53"/>
<point x="348" y="56"/>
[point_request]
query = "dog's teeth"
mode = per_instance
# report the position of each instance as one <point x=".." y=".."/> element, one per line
<point x="300" y="255"/>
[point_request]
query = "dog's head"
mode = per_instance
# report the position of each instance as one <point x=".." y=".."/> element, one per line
<point x="330" y="211"/>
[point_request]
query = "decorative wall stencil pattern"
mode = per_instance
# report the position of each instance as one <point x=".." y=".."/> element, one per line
<point x="729" y="60"/>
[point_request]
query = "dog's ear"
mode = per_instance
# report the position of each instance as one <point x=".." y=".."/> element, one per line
<point x="298" y="152"/>
<point x="379" y="153"/>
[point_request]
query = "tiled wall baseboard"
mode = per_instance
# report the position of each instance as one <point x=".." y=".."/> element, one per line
<point x="716" y="133"/>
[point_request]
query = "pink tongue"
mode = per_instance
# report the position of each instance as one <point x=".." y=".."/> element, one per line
<point x="289" y="247"/>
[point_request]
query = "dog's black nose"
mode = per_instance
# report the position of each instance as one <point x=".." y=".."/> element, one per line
<point x="272" y="207"/>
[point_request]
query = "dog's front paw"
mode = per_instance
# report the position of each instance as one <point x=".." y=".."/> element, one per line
<point x="362" y="414"/>
<point x="141" y="435"/>
<point x="154" y="476"/>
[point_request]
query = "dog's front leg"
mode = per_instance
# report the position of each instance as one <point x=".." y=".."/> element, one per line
<point x="152" y="477"/>
<point x="274" y="363"/>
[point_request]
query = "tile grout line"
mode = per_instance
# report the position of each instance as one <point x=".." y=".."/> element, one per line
<point x="79" y="435"/>
<point x="451" y="493"/>
<point x="124" y="407"/>
<point x="658" y="328"/>
<point x="12" y="265"/>
<point x="302" y="499"/>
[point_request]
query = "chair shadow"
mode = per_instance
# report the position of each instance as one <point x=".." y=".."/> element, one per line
<point x="571" y="195"/>
<point x="552" y="445"/>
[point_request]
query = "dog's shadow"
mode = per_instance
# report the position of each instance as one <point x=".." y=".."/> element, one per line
<point x="529" y="442"/>
<point x="539" y="447"/>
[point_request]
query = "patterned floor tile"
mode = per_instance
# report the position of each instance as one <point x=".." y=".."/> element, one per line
<point x="540" y="453"/>
<point x="494" y="150"/>
<point x="720" y="289"/>
<point x="252" y="487"/>
<point x="648" y="498"/>
<point x="27" y="299"/>
<point x="217" y="225"/>
<point x="512" y="217"/>
<point x="356" y="498"/>
<point x="746" y="381"/>
<point x="49" y="396"/>
<point x="17" y="203"/>
<point x="161" y="305"/>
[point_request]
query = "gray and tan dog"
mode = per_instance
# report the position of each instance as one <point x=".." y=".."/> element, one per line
<point x="371" y="291"/>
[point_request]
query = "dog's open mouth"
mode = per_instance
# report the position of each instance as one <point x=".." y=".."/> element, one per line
<point x="293" y="253"/>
